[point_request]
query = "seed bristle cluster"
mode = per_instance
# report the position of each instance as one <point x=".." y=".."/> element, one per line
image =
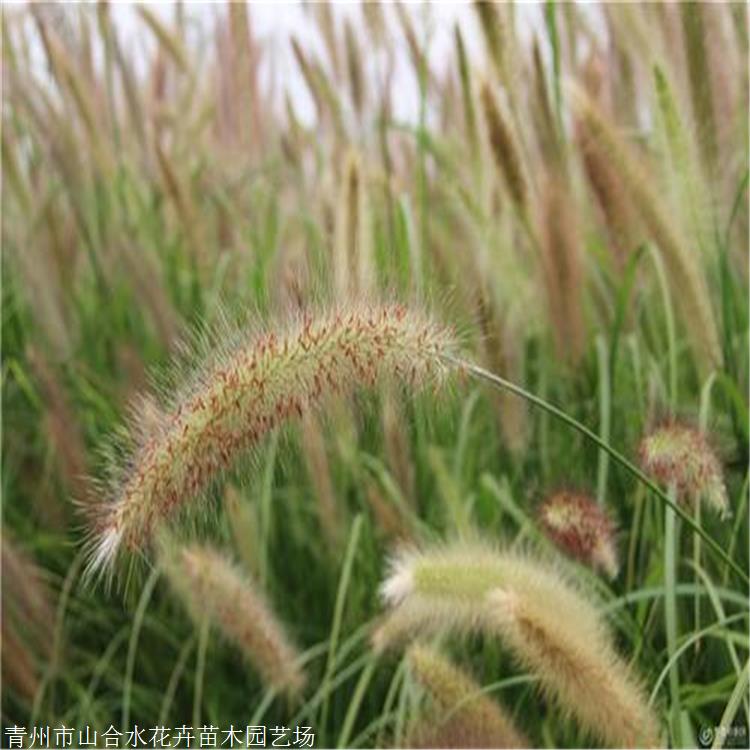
<point x="549" y="626"/>
<point x="212" y="587"/>
<point x="681" y="456"/>
<point x="249" y="390"/>
<point x="460" y="709"/>
<point x="581" y="528"/>
<point x="504" y="148"/>
<point x="687" y="281"/>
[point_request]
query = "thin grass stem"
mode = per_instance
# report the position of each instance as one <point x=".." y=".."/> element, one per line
<point x="709" y="630"/>
<point x="352" y="710"/>
<point x="338" y="611"/>
<point x="174" y="679"/>
<point x="661" y="275"/>
<point x="733" y="704"/>
<point x="200" y="671"/>
<point x="138" y="618"/>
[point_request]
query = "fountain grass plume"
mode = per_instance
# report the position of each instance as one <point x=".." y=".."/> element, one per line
<point x="615" y="204"/>
<point x="504" y="147"/>
<point x="581" y="528"/>
<point x="563" y="268"/>
<point x="355" y="69"/>
<point x="684" y="268"/>
<point x="495" y="32"/>
<point x="245" y="390"/>
<point x="27" y="625"/>
<point x="460" y="709"/>
<point x="551" y="628"/>
<point x="212" y="587"/>
<point x="352" y="262"/>
<point x="680" y="455"/>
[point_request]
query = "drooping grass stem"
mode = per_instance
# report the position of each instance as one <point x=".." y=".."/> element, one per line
<point x="628" y="465"/>
<point x="338" y="611"/>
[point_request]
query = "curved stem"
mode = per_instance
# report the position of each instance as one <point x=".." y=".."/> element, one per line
<point x="628" y="465"/>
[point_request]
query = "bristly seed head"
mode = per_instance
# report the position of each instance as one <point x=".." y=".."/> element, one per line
<point x="581" y="528"/>
<point x="248" y="391"/>
<point x="551" y="628"/>
<point x="679" y="455"/>
<point x="460" y="708"/>
<point x="212" y="587"/>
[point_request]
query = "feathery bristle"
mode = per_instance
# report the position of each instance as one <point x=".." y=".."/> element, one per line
<point x="253" y="388"/>
<point x="213" y="588"/>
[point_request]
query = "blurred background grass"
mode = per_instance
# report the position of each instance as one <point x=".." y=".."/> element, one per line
<point x="572" y="198"/>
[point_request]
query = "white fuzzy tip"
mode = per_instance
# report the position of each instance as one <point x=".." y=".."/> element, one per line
<point x="399" y="584"/>
<point x="105" y="550"/>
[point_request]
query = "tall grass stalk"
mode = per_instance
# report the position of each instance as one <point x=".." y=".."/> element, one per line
<point x="338" y="611"/>
<point x="354" y="706"/>
<point x="662" y="277"/>
<point x="505" y="150"/>
<point x="563" y="272"/>
<point x="138" y="619"/>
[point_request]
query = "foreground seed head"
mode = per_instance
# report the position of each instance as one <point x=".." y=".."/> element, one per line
<point x="681" y="456"/>
<point x="550" y="627"/>
<point x="248" y="390"/>
<point x="581" y="528"/>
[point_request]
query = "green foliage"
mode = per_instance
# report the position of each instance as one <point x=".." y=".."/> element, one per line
<point x="149" y="193"/>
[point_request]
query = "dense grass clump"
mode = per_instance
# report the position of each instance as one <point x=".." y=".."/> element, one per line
<point x="563" y="185"/>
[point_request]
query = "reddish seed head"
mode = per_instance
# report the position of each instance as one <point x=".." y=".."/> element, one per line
<point x="581" y="528"/>
<point x="249" y="390"/>
<point x="681" y="456"/>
